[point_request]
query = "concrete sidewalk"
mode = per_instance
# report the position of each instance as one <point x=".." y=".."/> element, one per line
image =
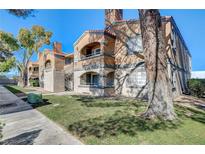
<point x="27" y="126"/>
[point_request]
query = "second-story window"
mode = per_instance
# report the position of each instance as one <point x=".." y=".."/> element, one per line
<point x="35" y="69"/>
<point x="48" y="64"/>
<point x="92" y="52"/>
<point x="91" y="49"/>
<point x="96" y="51"/>
<point x="134" y="44"/>
<point x="68" y="61"/>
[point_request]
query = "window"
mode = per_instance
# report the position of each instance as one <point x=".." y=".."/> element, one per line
<point x="88" y="52"/>
<point x="173" y="41"/>
<point x="59" y="56"/>
<point x="89" y="79"/>
<point x="68" y="61"/>
<point x="137" y="78"/>
<point x="110" y="79"/>
<point x="35" y="69"/>
<point x="95" y="80"/>
<point x="97" y="51"/>
<point x="134" y="44"/>
<point x="94" y="52"/>
<point x="48" y="64"/>
<point x="91" y="52"/>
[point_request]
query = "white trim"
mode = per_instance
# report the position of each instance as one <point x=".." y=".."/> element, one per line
<point x="81" y="37"/>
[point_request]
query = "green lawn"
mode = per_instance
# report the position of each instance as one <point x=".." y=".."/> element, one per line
<point x="17" y="89"/>
<point x="111" y="121"/>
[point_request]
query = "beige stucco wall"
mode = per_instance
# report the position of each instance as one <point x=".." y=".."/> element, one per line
<point x="48" y="80"/>
<point x="59" y="81"/>
<point x="54" y="81"/>
<point x="122" y="88"/>
<point x="180" y="69"/>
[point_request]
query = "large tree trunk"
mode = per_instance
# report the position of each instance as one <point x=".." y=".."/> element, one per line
<point x="160" y="92"/>
<point x="23" y="79"/>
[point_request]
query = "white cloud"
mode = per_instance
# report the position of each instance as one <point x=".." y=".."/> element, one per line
<point x="198" y="74"/>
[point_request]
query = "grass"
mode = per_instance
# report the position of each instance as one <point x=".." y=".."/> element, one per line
<point x="114" y="121"/>
<point x="17" y="89"/>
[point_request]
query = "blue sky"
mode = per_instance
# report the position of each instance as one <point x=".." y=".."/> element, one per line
<point x="68" y="25"/>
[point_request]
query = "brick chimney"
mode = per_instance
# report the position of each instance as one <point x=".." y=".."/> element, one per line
<point x="57" y="47"/>
<point x="112" y="15"/>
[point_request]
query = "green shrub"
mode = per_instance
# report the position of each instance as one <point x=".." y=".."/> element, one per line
<point x="34" y="83"/>
<point x="34" y="98"/>
<point x="197" y="87"/>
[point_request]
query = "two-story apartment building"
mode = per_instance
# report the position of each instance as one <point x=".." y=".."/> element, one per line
<point x="55" y="69"/>
<point x="111" y="62"/>
<point x="33" y="71"/>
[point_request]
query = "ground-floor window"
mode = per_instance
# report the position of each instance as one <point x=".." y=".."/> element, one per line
<point x="90" y="78"/>
<point x="110" y="79"/>
<point x="137" y="77"/>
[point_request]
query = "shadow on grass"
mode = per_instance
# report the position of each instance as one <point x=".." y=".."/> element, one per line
<point x="200" y="106"/>
<point x="118" y="124"/>
<point x="22" y="139"/>
<point x="105" y="103"/>
<point x="14" y="90"/>
<point x="40" y="104"/>
<point x="122" y="122"/>
<point x="90" y="101"/>
<point x="190" y="112"/>
<point x="85" y="99"/>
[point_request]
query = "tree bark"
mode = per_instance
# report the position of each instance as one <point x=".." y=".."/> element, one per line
<point x="159" y="86"/>
<point x="24" y="78"/>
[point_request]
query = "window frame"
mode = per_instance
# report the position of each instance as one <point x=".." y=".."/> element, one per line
<point x="129" y="39"/>
<point x="135" y="77"/>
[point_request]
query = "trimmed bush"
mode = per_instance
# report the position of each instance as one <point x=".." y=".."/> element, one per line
<point x="34" y="83"/>
<point x="34" y="98"/>
<point x="197" y="87"/>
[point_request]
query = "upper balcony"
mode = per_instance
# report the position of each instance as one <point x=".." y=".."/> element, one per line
<point x="94" y="50"/>
<point x="90" y="51"/>
<point x="33" y="71"/>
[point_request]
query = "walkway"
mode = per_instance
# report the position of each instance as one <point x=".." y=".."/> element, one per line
<point x="27" y="126"/>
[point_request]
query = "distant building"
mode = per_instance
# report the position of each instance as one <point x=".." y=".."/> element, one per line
<point x="198" y="74"/>
<point x="111" y="62"/>
<point x="4" y="80"/>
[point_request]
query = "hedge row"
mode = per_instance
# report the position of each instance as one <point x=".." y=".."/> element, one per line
<point x="197" y="87"/>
